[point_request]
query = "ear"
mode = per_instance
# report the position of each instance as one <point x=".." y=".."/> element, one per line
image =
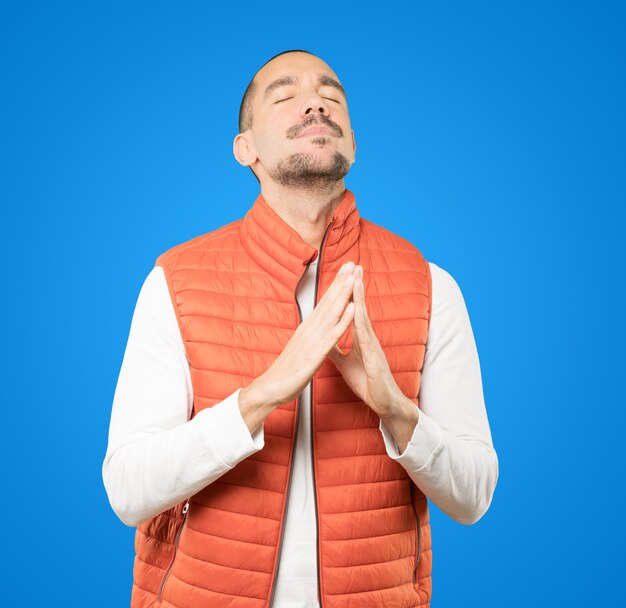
<point x="353" y="147"/>
<point x="243" y="149"/>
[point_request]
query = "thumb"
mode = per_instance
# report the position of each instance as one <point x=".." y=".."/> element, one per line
<point x="337" y="356"/>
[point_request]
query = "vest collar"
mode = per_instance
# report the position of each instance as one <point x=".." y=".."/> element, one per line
<point x="280" y="250"/>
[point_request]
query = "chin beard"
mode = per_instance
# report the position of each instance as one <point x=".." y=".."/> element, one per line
<point x="304" y="171"/>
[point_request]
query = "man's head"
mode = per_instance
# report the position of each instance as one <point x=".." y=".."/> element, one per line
<point x="293" y="93"/>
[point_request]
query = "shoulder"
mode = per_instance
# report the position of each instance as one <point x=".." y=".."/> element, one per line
<point x="448" y="305"/>
<point x="154" y="319"/>
<point x="219" y="239"/>
<point x="154" y="295"/>
<point x="377" y="235"/>
<point x="399" y="253"/>
<point x="444" y="284"/>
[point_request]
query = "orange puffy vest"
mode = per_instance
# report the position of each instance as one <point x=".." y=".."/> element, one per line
<point x="234" y="293"/>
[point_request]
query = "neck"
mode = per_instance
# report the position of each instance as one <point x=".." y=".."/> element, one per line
<point x="308" y="212"/>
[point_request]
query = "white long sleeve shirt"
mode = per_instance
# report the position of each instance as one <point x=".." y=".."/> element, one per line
<point x="157" y="456"/>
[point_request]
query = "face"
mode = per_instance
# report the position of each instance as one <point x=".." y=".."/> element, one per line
<point x="301" y="135"/>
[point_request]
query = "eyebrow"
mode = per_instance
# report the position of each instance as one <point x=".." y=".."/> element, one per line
<point x="287" y="80"/>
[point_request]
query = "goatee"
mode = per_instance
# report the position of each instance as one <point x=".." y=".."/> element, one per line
<point x="305" y="171"/>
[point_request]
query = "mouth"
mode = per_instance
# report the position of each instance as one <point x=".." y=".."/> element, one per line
<point x="317" y="130"/>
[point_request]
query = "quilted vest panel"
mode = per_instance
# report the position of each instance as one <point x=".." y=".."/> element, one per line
<point x="234" y="292"/>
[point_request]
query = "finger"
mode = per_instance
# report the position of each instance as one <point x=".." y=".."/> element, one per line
<point x="334" y="301"/>
<point x="337" y="307"/>
<point x="335" y="286"/>
<point x="361" y="320"/>
<point x="344" y="271"/>
<point x="344" y="322"/>
<point x="366" y="318"/>
<point x="337" y="356"/>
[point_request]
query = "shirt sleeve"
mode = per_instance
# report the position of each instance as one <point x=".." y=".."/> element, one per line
<point x="450" y="456"/>
<point x="156" y="455"/>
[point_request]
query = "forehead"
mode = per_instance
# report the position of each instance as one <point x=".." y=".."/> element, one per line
<point x="292" y="66"/>
<point x="294" y="61"/>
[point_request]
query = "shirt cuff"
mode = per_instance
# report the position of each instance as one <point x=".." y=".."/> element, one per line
<point x="424" y="442"/>
<point x="227" y="432"/>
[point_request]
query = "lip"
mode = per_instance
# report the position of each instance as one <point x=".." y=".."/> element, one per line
<point x="318" y="130"/>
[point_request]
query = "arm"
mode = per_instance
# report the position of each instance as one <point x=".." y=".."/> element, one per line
<point x="446" y="445"/>
<point x="157" y="456"/>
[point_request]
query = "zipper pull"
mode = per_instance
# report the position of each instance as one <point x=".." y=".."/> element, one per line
<point x="186" y="507"/>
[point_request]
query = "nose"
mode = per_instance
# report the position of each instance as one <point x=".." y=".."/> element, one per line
<point x="322" y="109"/>
<point x="315" y="104"/>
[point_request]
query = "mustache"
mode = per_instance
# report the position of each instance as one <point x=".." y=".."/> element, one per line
<point x="312" y="120"/>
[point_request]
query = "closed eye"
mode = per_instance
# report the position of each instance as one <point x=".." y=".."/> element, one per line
<point x="286" y="98"/>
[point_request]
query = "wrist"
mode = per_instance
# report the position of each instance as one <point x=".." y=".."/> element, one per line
<point x="401" y="421"/>
<point x="254" y="405"/>
<point x="256" y="397"/>
<point x="401" y="410"/>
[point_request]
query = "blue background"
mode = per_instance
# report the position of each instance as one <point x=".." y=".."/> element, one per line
<point x="490" y="134"/>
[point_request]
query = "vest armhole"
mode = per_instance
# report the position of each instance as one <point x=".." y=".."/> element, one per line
<point x="430" y="290"/>
<point x="168" y="279"/>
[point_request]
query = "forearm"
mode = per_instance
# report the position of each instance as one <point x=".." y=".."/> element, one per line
<point x="255" y="404"/>
<point x="153" y="472"/>
<point x="458" y="474"/>
<point x="450" y="454"/>
<point x="401" y="421"/>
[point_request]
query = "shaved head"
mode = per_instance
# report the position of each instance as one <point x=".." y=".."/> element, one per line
<point x="291" y="93"/>
<point x="245" y="109"/>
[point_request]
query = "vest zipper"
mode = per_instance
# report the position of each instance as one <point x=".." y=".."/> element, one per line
<point x="419" y="534"/>
<point x="319" y="583"/>
<point x="282" y="527"/>
<point x="293" y="453"/>
<point x="167" y="572"/>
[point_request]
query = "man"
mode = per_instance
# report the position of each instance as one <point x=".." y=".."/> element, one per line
<point x="265" y="435"/>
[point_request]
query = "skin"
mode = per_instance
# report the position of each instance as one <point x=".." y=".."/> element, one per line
<point x="270" y="142"/>
<point x="301" y="178"/>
